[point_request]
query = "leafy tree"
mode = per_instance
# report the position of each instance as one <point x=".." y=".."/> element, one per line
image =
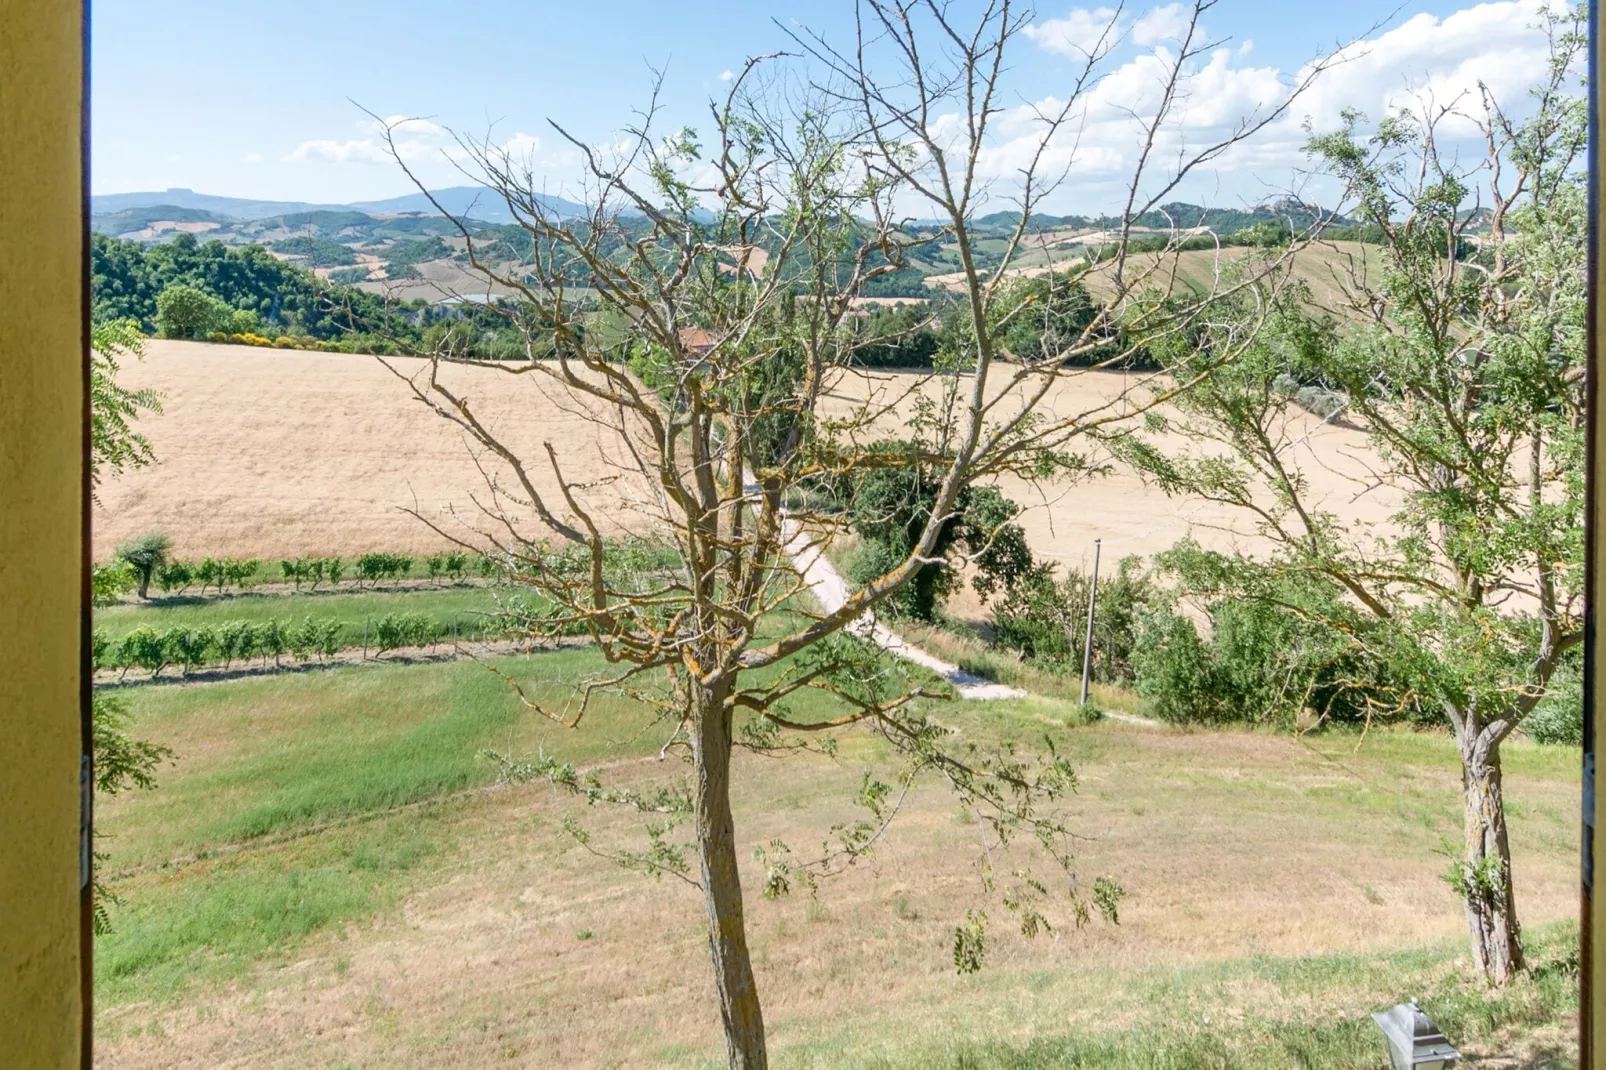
<point x="186" y="312"/>
<point x="1468" y="378"/>
<point x="889" y="509"/>
<point x="146" y="554"/>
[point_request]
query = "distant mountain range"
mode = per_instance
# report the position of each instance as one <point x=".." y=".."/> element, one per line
<point x="474" y="202"/>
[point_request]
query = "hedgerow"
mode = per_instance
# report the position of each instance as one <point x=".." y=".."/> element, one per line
<point x="224" y="644"/>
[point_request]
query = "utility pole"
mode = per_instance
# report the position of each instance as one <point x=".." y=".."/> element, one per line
<point x="1092" y="606"/>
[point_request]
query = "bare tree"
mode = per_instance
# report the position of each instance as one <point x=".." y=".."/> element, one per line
<point x="709" y="366"/>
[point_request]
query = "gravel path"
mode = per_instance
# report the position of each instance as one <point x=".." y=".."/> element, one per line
<point x="832" y="591"/>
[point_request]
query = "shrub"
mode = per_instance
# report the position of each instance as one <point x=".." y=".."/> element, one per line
<point x="396" y="630"/>
<point x="186" y="312"/>
<point x="329" y="632"/>
<point x="144" y="648"/>
<point x="1046" y="620"/>
<point x="1324" y="403"/>
<point x="235" y="639"/>
<point x="175" y="575"/>
<point x="109" y="583"/>
<point x="188" y="648"/>
<point x="1172" y="669"/>
<point x="239" y="571"/>
<point x="304" y="638"/>
<point x="145" y="555"/>
<point x="1559" y="716"/>
<point x="208" y="572"/>
<point x="269" y="639"/>
<point x="102" y="654"/>
<point x="374" y="566"/>
<point x="1266" y="660"/>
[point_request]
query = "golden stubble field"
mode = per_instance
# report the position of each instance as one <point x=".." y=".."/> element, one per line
<point x="273" y="453"/>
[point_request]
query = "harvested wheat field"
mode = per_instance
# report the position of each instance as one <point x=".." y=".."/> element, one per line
<point x="266" y="453"/>
<point x="1062" y="519"/>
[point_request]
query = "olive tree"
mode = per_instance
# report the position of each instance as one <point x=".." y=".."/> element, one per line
<point x="709" y="369"/>
<point x="1461" y="355"/>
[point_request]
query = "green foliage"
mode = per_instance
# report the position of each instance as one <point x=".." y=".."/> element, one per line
<point x="317" y="252"/>
<point x="114" y="445"/>
<point x="889" y="508"/>
<point x="1045" y="618"/>
<point x="1047" y="317"/>
<point x="176" y="575"/>
<point x="378" y="565"/>
<point x="1559" y="716"/>
<point x="110" y="582"/>
<point x="417" y="250"/>
<point x="127" y="279"/>
<point x="396" y="630"/>
<point x="120" y="762"/>
<point x="970" y="942"/>
<point x="187" y="312"/>
<point x="1294" y="645"/>
<point x="143" y="648"/>
<point x="145" y="554"/>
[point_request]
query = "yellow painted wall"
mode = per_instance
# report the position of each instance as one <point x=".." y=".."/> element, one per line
<point x="41" y="87"/>
<point x="1593" y="1018"/>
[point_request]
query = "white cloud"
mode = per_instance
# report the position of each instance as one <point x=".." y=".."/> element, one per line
<point x="1167" y="23"/>
<point x="1443" y="58"/>
<point x="414" y="140"/>
<point x="1083" y="32"/>
<point x="252" y="157"/>
<point x="521" y="149"/>
<point x="726" y="76"/>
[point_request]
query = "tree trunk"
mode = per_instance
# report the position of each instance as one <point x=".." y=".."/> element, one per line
<point x="722" y="889"/>
<point x="1486" y="867"/>
<point x="144" y="585"/>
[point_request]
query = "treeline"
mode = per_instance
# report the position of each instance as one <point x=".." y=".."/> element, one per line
<point x="1048" y="315"/>
<point x="209" y="291"/>
<point x="1276" y="661"/>
<point x="128" y="279"/>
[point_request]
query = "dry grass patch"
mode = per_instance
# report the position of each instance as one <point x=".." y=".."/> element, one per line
<point x="471" y="931"/>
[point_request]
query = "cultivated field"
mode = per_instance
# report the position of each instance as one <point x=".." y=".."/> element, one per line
<point x="268" y="453"/>
<point x="1325" y="267"/>
<point x="1061" y="520"/>
<point x="272" y="453"/>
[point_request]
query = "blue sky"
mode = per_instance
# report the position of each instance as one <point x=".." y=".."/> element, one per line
<point x="256" y="99"/>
